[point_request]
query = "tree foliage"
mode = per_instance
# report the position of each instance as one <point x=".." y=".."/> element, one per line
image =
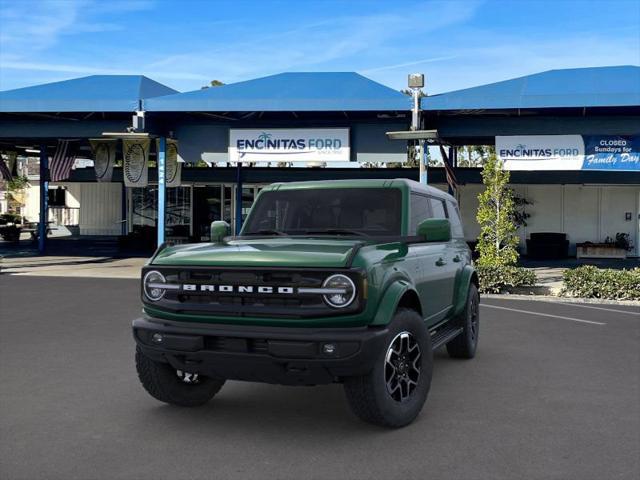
<point x="497" y="241"/>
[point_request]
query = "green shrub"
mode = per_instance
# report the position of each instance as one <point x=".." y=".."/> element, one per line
<point x="592" y="282"/>
<point x="495" y="278"/>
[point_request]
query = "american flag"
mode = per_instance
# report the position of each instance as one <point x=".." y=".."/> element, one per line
<point x="452" y="181"/>
<point x="62" y="160"/>
<point x="5" y="173"/>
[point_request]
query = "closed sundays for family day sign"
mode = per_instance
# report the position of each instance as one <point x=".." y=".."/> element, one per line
<point x="289" y="145"/>
<point x="569" y="152"/>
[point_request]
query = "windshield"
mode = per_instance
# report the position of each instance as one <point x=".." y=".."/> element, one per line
<point x="327" y="211"/>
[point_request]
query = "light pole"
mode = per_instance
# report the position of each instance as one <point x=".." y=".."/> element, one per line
<point x="416" y="83"/>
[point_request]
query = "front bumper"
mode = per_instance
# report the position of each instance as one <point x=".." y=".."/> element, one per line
<point x="281" y="355"/>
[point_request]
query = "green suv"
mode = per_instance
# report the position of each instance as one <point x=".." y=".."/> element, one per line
<point x="355" y="282"/>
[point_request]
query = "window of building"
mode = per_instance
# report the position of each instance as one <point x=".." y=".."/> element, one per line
<point x="57" y="197"/>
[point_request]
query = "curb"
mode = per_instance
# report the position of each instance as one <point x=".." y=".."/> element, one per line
<point x="556" y="299"/>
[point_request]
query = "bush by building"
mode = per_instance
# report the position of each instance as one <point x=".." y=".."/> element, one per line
<point x="592" y="282"/>
<point x="496" y="278"/>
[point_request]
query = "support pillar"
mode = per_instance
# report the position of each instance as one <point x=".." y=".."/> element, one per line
<point x="423" y="156"/>
<point x="162" y="190"/>
<point x="44" y="199"/>
<point x="238" y="198"/>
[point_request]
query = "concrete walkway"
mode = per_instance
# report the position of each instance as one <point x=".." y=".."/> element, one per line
<point x="59" y="266"/>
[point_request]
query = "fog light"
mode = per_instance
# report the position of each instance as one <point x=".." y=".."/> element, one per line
<point x="156" y="338"/>
<point x="329" y="348"/>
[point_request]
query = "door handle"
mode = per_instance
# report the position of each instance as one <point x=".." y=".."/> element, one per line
<point x="441" y="262"/>
<point x="457" y="259"/>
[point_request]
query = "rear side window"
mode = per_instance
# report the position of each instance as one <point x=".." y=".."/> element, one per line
<point x="420" y="210"/>
<point x="454" y="218"/>
<point x="438" y="208"/>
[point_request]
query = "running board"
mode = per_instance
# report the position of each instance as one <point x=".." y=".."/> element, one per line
<point x="444" y="335"/>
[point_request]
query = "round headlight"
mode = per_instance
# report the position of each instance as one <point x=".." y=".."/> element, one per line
<point x="152" y="285"/>
<point x="342" y="291"/>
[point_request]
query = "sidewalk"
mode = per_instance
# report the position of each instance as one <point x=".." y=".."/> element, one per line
<point x="67" y="266"/>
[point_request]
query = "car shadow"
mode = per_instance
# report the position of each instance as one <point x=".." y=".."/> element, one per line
<point x="246" y="408"/>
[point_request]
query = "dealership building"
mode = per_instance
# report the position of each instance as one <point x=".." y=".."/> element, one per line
<point x="571" y="139"/>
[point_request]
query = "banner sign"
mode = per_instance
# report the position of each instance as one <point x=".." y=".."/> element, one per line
<point x="136" y="162"/>
<point x="569" y="152"/>
<point x="104" y="157"/>
<point x="173" y="166"/>
<point x="610" y="152"/>
<point x="289" y="145"/>
<point x="541" y="152"/>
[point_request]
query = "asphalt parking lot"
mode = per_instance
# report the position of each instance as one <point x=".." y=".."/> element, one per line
<point x="554" y="393"/>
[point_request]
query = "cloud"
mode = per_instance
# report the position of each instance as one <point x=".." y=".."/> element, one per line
<point x="30" y="27"/>
<point x="408" y="64"/>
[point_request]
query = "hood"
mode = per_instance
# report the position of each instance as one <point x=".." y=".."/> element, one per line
<point x="263" y="252"/>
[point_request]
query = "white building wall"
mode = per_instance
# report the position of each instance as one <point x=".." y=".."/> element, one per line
<point x="586" y="213"/>
<point x="100" y="208"/>
<point x="31" y="208"/>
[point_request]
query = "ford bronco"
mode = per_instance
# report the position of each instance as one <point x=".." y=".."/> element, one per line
<point x="355" y="282"/>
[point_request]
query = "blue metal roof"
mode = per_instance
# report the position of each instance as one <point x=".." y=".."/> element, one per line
<point x="96" y="93"/>
<point x="577" y="87"/>
<point x="299" y="92"/>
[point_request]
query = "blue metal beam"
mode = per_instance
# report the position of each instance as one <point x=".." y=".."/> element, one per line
<point x="238" y="198"/>
<point x="162" y="190"/>
<point x="44" y="199"/>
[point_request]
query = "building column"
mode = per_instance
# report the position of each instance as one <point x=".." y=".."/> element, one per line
<point x="162" y="190"/>
<point x="238" y="198"/>
<point x="44" y="199"/>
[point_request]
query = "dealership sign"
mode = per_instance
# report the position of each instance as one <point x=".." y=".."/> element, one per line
<point x="541" y="152"/>
<point x="611" y="152"/>
<point x="569" y="152"/>
<point x="289" y="145"/>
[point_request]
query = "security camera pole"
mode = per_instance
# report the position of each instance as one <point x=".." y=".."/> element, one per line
<point x="416" y="83"/>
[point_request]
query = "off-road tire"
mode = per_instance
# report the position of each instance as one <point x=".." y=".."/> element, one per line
<point x="368" y="395"/>
<point x="465" y="344"/>
<point x="162" y="383"/>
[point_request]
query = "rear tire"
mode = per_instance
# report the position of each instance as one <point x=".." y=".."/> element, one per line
<point x="393" y="393"/>
<point x="465" y="344"/>
<point x="168" y="385"/>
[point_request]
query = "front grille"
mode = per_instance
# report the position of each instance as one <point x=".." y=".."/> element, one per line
<point x="251" y="304"/>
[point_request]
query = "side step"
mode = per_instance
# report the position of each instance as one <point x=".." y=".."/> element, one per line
<point x="444" y="335"/>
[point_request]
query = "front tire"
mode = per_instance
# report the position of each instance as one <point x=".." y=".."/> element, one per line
<point x="172" y="386"/>
<point x="393" y="393"/>
<point x="465" y="344"/>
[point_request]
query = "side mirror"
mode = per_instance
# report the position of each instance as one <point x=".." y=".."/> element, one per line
<point x="435" y="230"/>
<point x="219" y="230"/>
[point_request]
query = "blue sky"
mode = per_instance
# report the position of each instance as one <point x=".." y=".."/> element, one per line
<point x="184" y="44"/>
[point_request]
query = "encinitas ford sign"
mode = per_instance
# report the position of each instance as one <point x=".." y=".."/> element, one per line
<point x="569" y="152"/>
<point x="541" y="152"/>
<point x="289" y="145"/>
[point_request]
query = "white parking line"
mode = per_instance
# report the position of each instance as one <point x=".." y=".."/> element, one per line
<point x="596" y="308"/>
<point x="542" y="314"/>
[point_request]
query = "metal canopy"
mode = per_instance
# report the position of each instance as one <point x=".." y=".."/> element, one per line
<point x="288" y="92"/>
<point x="96" y="93"/>
<point x="569" y="88"/>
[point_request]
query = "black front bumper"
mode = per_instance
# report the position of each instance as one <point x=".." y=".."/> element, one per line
<point x="282" y="355"/>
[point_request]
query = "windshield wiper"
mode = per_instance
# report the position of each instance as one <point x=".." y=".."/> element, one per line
<point x="336" y="231"/>
<point x="268" y="232"/>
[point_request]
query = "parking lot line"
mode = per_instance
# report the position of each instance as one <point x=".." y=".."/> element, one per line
<point x="530" y="312"/>
<point x="596" y="308"/>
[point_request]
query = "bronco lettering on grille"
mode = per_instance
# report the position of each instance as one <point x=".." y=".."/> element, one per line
<point x="193" y="287"/>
